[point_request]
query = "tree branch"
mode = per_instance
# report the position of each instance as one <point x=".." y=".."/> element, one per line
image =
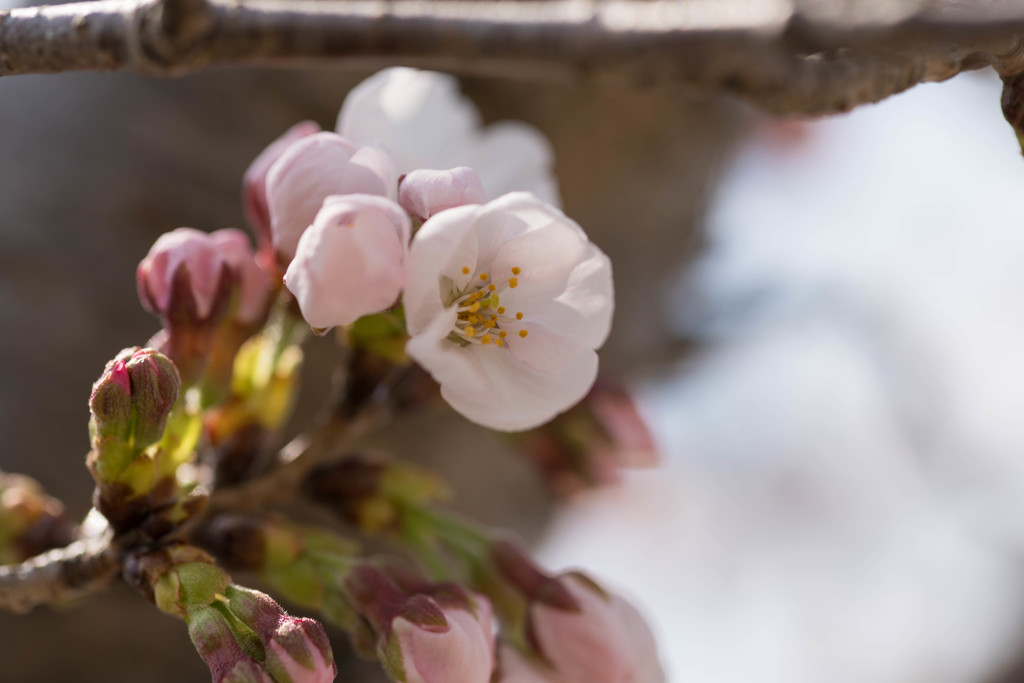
<point x="806" y="61"/>
<point x="61" y="574"/>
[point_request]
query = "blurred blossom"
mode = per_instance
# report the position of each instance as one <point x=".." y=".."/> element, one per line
<point x="846" y="493"/>
<point x="424" y="122"/>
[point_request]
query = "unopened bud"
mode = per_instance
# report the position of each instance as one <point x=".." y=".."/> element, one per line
<point x="155" y="384"/>
<point x="522" y="573"/>
<point x="604" y="640"/>
<point x="214" y="639"/>
<point x="130" y="404"/>
<point x="31" y="522"/>
<point x="254" y="183"/>
<point x="457" y="647"/>
<point x="299" y="652"/>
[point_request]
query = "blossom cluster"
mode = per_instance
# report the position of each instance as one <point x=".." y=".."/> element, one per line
<point x="424" y="238"/>
<point x="505" y="298"/>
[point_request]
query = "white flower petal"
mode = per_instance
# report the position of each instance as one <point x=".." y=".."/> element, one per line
<point x="443" y="247"/>
<point x="524" y="398"/>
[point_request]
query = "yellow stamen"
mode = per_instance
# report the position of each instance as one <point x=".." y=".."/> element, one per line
<point x="488" y="324"/>
<point x="484" y="276"/>
<point x="502" y="334"/>
<point x="501" y="310"/>
<point x="516" y="271"/>
<point x="500" y="342"/>
<point x="523" y="333"/>
<point x="519" y="315"/>
<point x="465" y="270"/>
<point x="491" y="288"/>
<point x="473" y="319"/>
<point x="474" y="308"/>
<point x="470" y="331"/>
<point x="513" y="282"/>
<point x="486" y="339"/>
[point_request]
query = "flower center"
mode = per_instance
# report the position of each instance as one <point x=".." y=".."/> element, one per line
<point x="482" y="319"/>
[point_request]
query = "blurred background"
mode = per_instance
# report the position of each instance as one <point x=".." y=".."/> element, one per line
<point x="824" y="321"/>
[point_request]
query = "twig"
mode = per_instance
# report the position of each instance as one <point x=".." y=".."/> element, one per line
<point x="61" y="574"/>
<point x="783" y="60"/>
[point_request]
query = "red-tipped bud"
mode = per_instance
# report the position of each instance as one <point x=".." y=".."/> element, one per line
<point x="130" y="403"/>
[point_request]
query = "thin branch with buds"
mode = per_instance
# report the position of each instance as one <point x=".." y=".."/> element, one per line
<point x="784" y="60"/>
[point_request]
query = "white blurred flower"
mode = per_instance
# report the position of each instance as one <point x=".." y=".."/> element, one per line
<point x="505" y="304"/>
<point x="424" y="122"/>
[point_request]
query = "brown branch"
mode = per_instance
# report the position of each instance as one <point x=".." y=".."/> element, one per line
<point x="806" y="61"/>
<point x="58" y="575"/>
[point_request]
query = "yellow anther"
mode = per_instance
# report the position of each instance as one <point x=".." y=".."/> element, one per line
<point x="465" y="270"/>
<point x="475" y="307"/>
<point x="516" y="271"/>
<point x="519" y="315"/>
<point x="523" y="333"/>
<point x="484" y="276"/>
<point x="488" y="324"/>
<point x="503" y="334"/>
<point x="491" y="288"/>
<point x="470" y="331"/>
<point x="500" y="342"/>
<point x="513" y="282"/>
<point x="486" y="339"/>
<point x="501" y="310"/>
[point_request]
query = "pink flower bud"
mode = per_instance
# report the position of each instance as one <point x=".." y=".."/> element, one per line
<point x="461" y="649"/>
<point x="513" y="667"/>
<point x="605" y="641"/>
<point x="131" y="401"/>
<point x="299" y="652"/>
<point x="254" y="283"/>
<point x="254" y="183"/>
<point x="182" y="275"/>
<point x="313" y="169"/>
<point x="425" y="192"/>
<point x="213" y="638"/>
<point x="350" y="261"/>
<point x="627" y="431"/>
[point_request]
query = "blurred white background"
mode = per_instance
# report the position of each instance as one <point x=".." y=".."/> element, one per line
<point x="843" y="497"/>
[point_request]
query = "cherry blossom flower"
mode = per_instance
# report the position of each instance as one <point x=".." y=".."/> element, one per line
<point x="424" y="122"/>
<point x="349" y="263"/>
<point x="314" y="168"/>
<point x="426" y="192"/>
<point x="505" y="304"/>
